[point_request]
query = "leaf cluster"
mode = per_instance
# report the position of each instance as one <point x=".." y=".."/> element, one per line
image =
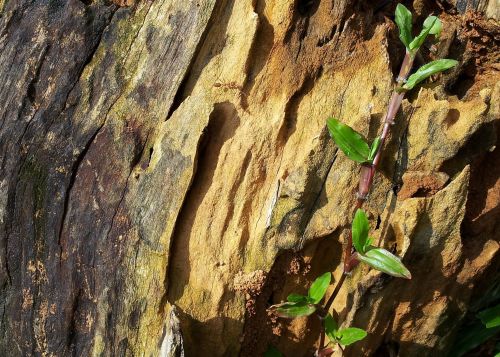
<point x="404" y="19"/>
<point x="300" y="305"/>
<point x="377" y="258"/>
<point x="431" y="26"/>
<point x="304" y="305"/>
<point x="344" y="336"/>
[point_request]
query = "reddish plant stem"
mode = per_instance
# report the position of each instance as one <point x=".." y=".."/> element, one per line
<point x="335" y="292"/>
<point x="322" y="337"/>
<point x="326" y="308"/>
<point x="368" y="171"/>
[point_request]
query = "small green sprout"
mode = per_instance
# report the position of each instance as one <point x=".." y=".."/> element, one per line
<point x="345" y="336"/>
<point x="300" y="305"/>
<point x="431" y="26"/>
<point x="377" y="258"/>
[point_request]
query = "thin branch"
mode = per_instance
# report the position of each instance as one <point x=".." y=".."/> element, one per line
<point x="335" y="292"/>
<point x="326" y="308"/>
<point x="322" y="337"/>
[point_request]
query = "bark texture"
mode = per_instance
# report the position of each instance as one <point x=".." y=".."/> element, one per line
<point x="166" y="174"/>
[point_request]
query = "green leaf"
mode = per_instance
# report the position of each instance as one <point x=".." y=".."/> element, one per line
<point x="331" y="327"/>
<point x="368" y="244"/>
<point x="431" y="25"/>
<point x="360" y="228"/>
<point x="344" y="336"/>
<point x="319" y="286"/>
<point x="292" y="309"/>
<point x="490" y="317"/>
<point x="428" y="70"/>
<point x="272" y="352"/>
<point x="435" y="25"/>
<point x="403" y="20"/>
<point x="348" y="140"/>
<point x="296" y="298"/>
<point x="348" y="336"/>
<point x="385" y="261"/>
<point x="374" y="148"/>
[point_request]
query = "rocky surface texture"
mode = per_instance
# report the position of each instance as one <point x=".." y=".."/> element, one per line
<point x="166" y="174"/>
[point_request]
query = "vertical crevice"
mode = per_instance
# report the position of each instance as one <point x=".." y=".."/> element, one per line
<point x="222" y="124"/>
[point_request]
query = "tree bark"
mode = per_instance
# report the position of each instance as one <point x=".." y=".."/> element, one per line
<point x="166" y="174"/>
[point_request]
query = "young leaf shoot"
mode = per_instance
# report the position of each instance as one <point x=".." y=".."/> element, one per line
<point x="360" y="228"/>
<point x="428" y="70"/>
<point x="346" y="336"/>
<point x="404" y="22"/>
<point x="431" y="25"/>
<point x="435" y="24"/>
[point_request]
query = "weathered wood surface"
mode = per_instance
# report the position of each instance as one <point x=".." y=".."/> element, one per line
<point x="173" y="153"/>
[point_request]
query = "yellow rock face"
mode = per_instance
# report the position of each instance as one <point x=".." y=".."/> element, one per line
<point x="244" y="170"/>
